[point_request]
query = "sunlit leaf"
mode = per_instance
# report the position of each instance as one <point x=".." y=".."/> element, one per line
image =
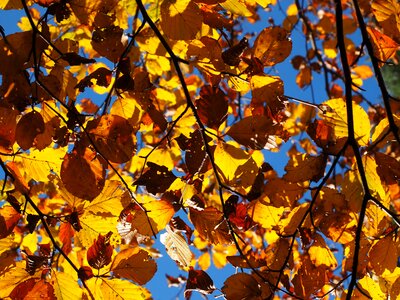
<point x="211" y="225"/>
<point x="135" y="264"/>
<point x="336" y="117"/>
<point x="236" y="167"/>
<point x="180" y="20"/>
<point x="264" y="213"/>
<point x="302" y="167"/>
<point x="272" y="45"/>
<point x="320" y="254"/>
<point x="112" y="136"/>
<point x="103" y="289"/>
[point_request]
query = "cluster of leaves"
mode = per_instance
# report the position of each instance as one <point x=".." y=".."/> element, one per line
<point x="179" y="143"/>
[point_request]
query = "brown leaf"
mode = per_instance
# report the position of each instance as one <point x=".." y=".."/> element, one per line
<point x="112" y="136"/>
<point x="196" y="158"/>
<point x="303" y="167"/>
<point x="134" y="264"/>
<point x="101" y="75"/>
<point x="388" y="168"/>
<point x="28" y="128"/>
<point x="8" y="124"/>
<point x="211" y="225"/>
<point x="232" y="55"/>
<point x="256" y="132"/>
<point x="107" y="42"/>
<point x="75" y="59"/>
<point x="82" y="174"/>
<point x="212" y="106"/>
<point x="242" y="286"/>
<point x="157" y="179"/>
<point x="99" y="254"/>
<point x="199" y="281"/>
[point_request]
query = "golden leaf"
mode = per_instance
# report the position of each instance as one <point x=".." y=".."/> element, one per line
<point x="261" y="211"/>
<point x="336" y="117"/>
<point x="320" y="254"/>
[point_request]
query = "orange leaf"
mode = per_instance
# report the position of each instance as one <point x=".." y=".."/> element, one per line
<point x="9" y="218"/>
<point x="256" y="132"/>
<point x="303" y="167"/>
<point x="272" y="46"/>
<point x="384" y="47"/>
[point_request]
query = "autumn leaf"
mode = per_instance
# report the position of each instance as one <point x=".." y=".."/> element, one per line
<point x="83" y="174"/>
<point x="212" y="106"/>
<point x="155" y="175"/>
<point x="272" y="45"/>
<point x="180" y="20"/>
<point x="112" y="136"/>
<point x="135" y="264"/>
<point x="336" y="117"/>
<point x="99" y="254"/>
<point x="211" y="225"/>
<point x="241" y="286"/>
<point x="256" y="132"/>
<point x="305" y="167"/>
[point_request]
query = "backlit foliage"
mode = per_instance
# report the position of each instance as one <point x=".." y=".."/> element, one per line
<point x="124" y="122"/>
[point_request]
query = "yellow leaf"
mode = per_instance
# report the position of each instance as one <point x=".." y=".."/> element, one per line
<point x="384" y="47"/>
<point x="368" y="285"/>
<point x="237" y="7"/>
<point x="38" y="165"/>
<point x="30" y="242"/>
<point x="364" y="72"/>
<point x="112" y="199"/>
<point x="10" y="279"/>
<point x="336" y="118"/>
<point x="204" y="261"/>
<point x="266" y="88"/>
<point x="237" y="168"/>
<point x="320" y="254"/>
<point x="381" y="129"/>
<point x="330" y="48"/>
<point x="106" y="289"/>
<point x="65" y="287"/>
<point x="93" y="225"/>
<point x="180" y="20"/>
<point x="264" y="213"/>
<point x="128" y="108"/>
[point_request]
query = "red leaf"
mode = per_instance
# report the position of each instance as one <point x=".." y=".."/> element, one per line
<point x="99" y="254"/>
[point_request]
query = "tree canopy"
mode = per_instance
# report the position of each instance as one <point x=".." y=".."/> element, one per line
<point x="127" y="122"/>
